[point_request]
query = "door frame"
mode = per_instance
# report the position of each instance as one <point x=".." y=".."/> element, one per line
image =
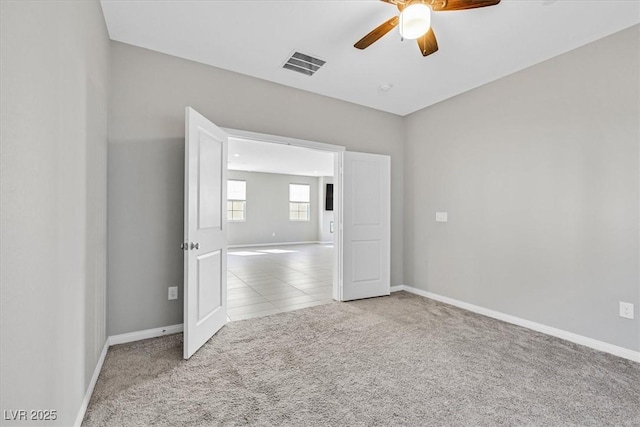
<point x="338" y="156"/>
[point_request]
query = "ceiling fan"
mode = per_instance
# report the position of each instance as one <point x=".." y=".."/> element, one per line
<point x="414" y="21"/>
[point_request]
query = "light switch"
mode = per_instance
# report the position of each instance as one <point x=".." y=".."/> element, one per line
<point x="441" y="217"/>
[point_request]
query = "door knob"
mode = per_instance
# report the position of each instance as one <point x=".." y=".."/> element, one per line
<point x="195" y="246"/>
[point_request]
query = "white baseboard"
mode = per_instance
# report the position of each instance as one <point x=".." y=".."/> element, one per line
<point x="549" y="330"/>
<point x="258" y="245"/>
<point x="143" y="335"/>
<point x="92" y="385"/>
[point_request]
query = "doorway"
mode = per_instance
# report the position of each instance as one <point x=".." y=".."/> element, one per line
<point x="281" y="226"/>
<point x="361" y="238"/>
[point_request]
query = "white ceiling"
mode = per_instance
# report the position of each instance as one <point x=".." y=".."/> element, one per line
<point x="476" y="46"/>
<point x="256" y="156"/>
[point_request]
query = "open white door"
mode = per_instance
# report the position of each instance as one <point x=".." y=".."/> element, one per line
<point x="366" y="226"/>
<point x="205" y="231"/>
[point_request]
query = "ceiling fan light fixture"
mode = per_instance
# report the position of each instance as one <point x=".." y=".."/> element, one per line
<point x="415" y="20"/>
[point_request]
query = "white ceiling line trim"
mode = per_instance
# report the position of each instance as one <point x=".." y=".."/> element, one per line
<point x="263" y="137"/>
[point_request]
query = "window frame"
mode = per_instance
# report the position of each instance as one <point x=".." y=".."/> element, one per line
<point x="235" y="200"/>
<point x="300" y="203"/>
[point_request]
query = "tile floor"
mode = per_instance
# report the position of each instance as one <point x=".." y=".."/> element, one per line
<point x="267" y="280"/>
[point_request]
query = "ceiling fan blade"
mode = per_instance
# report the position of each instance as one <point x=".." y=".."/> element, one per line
<point x="427" y="43"/>
<point x="378" y="32"/>
<point x="439" y="5"/>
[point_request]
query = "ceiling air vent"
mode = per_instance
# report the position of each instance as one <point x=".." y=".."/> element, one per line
<point x="304" y="64"/>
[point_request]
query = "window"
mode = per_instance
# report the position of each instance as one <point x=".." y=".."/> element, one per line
<point x="236" y="200"/>
<point x="299" y="209"/>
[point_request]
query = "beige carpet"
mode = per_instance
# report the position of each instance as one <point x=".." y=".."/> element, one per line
<point x="398" y="360"/>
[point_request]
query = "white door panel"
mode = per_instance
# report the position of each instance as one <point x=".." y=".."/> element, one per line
<point x="205" y="260"/>
<point x="366" y="226"/>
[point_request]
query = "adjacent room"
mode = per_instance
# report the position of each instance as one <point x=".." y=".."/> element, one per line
<point x="280" y="228"/>
<point x="305" y="213"/>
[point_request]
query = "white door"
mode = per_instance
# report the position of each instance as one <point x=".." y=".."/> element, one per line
<point x="205" y="231"/>
<point x="366" y="226"/>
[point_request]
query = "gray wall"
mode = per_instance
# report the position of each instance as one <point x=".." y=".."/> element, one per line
<point x="146" y="131"/>
<point x="268" y="210"/>
<point x="324" y="225"/>
<point x="54" y="75"/>
<point x="539" y="174"/>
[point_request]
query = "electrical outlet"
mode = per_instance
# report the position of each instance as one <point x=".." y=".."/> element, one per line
<point x="173" y="292"/>
<point x="626" y="310"/>
<point x="273" y="234"/>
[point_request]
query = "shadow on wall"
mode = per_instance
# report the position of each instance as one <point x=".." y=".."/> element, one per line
<point x="145" y="211"/>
